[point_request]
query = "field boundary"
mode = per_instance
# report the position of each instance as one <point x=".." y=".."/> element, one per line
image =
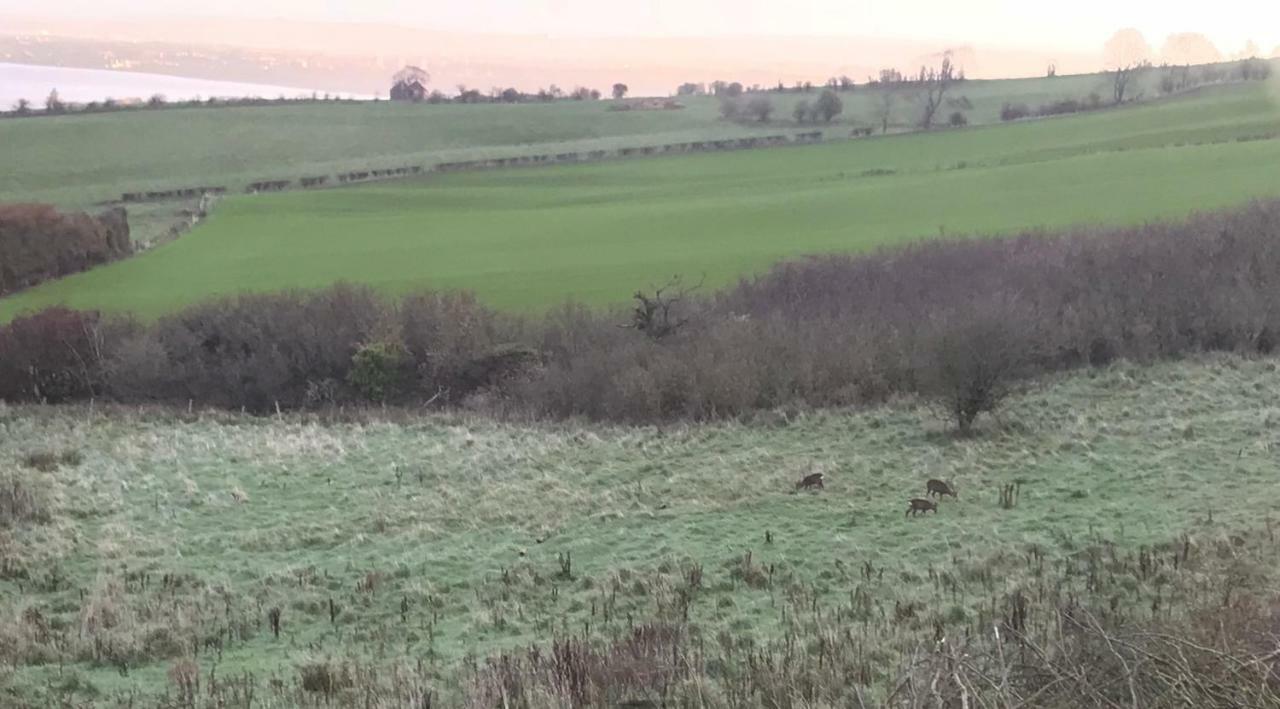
<point x="408" y="171"/>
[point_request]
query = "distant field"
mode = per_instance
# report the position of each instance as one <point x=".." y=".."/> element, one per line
<point x="76" y="160"/>
<point x="440" y="536"/>
<point x="529" y="238"/>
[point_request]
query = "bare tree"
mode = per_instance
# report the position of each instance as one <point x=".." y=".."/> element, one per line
<point x="761" y="108"/>
<point x="1120" y="79"/>
<point x="620" y="91"/>
<point x="658" y="315"/>
<point x="935" y="82"/>
<point x="802" y="111"/>
<point x="22" y="107"/>
<point x="729" y="108"/>
<point x="884" y="108"/>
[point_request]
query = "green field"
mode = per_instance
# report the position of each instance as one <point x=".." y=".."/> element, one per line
<point x="529" y="238"/>
<point x="440" y="536"/>
<point x="76" y="160"/>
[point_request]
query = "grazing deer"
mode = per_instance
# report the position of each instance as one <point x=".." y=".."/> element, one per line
<point x="918" y="505"/>
<point x="939" y="488"/>
<point x="810" y="481"/>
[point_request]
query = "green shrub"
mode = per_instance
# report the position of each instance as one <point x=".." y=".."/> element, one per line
<point x="380" y="370"/>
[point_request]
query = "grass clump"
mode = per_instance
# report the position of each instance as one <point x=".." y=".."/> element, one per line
<point x="47" y="461"/>
<point x="21" y="502"/>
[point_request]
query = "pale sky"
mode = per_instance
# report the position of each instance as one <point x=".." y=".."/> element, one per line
<point x="1068" y="24"/>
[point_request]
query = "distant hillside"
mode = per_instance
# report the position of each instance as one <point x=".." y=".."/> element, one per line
<point x="73" y="160"/>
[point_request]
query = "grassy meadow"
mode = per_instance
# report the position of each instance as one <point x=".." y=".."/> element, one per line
<point x="439" y="538"/>
<point x="526" y="239"/>
<point x="78" y="160"/>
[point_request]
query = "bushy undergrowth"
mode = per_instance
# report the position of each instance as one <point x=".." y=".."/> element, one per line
<point x="960" y="321"/>
<point x="37" y="242"/>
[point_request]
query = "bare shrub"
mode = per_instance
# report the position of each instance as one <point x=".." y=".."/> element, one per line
<point x="973" y="358"/>
<point x="37" y="242"/>
<point x="639" y="669"/>
<point x="325" y="677"/>
<point x="1014" y="111"/>
<point x="47" y="461"/>
<point x="52" y="356"/>
<point x="261" y="351"/>
<point x="760" y="108"/>
<point x="451" y="336"/>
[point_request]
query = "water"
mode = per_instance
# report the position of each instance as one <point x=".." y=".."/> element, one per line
<point x="33" y="83"/>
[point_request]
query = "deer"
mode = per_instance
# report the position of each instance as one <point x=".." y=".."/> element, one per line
<point x="939" y="488"/>
<point x="919" y="505"/>
<point x="810" y="481"/>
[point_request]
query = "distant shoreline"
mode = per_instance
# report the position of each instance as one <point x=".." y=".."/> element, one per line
<point x="33" y="82"/>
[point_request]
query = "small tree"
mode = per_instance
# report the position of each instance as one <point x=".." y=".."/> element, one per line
<point x="828" y="106"/>
<point x="802" y="111"/>
<point x="729" y="108"/>
<point x="761" y="108"/>
<point x="957" y="120"/>
<point x="620" y="91"/>
<point x="1120" y="82"/>
<point x="22" y="107"/>
<point x="53" y="103"/>
<point x="733" y="90"/>
<point x="156" y="100"/>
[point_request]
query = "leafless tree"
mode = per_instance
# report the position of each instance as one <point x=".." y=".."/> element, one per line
<point x="1120" y="79"/>
<point x="761" y="108"/>
<point x="658" y="315"/>
<point x="935" y="83"/>
<point x="884" y="108"/>
<point x="620" y="91"/>
<point x="802" y="111"/>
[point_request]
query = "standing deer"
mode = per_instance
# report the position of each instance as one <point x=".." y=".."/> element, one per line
<point x="810" y="481"/>
<point x="919" y="505"/>
<point x="939" y="488"/>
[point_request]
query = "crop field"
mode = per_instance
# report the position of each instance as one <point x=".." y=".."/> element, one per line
<point x="78" y="160"/>
<point x="431" y="539"/>
<point x="525" y="239"/>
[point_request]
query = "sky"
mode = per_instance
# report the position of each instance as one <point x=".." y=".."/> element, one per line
<point x="1075" y="24"/>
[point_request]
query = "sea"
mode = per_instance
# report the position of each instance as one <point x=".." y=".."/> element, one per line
<point x="33" y="82"/>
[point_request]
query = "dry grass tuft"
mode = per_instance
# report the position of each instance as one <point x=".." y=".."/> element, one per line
<point x="47" y="461"/>
<point x="21" y="503"/>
